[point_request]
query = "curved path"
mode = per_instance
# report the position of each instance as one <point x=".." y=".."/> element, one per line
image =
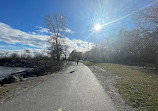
<point x="75" y="89"/>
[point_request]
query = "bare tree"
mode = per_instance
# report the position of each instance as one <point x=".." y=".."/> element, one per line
<point x="56" y="26"/>
<point x="28" y="53"/>
<point x="149" y="27"/>
<point x="65" y="51"/>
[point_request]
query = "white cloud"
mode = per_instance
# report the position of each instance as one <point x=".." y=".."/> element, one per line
<point x="42" y="30"/>
<point x="13" y="36"/>
<point x="7" y="52"/>
<point x="69" y="30"/>
<point x="46" y="30"/>
<point x="78" y="45"/>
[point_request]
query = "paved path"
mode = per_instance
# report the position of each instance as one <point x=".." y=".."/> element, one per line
<point x="75" y="89"/>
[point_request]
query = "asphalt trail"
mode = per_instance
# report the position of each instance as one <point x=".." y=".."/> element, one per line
<point x="75" y="89"/>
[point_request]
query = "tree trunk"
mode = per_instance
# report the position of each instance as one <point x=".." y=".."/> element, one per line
<point x="156" y="61"/>
<point x="65" y="56"/>
<point x="57" y="46"/>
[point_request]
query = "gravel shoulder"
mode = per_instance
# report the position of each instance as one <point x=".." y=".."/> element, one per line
<point x="108" y="82"/>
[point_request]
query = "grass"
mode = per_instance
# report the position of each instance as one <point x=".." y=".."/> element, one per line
<point x="137" y="86"/>
<point x="4" y="92"/>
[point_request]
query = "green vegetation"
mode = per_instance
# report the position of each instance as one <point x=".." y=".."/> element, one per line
<point x="76" y="55"/>
<point x="4" y="91"/>
<point x="138" y="86"/>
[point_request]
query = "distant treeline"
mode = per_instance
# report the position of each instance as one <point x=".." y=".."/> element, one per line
<point x="76" y="55"/>
<point x="40" y="63"/>
<point x="124" y="47"/>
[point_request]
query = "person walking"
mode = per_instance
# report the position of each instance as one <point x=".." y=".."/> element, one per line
<point x="77" y="61"/>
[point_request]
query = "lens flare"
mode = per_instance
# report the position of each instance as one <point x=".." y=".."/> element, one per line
<point x="97" y="27"/>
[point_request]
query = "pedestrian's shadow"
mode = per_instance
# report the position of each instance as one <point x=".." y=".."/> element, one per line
<point x="75" y="70"/>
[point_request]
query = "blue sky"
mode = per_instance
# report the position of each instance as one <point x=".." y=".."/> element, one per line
<point x="25" y="18"/>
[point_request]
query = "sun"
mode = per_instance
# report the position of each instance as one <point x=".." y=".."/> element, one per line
<point x="97" y="27"/>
